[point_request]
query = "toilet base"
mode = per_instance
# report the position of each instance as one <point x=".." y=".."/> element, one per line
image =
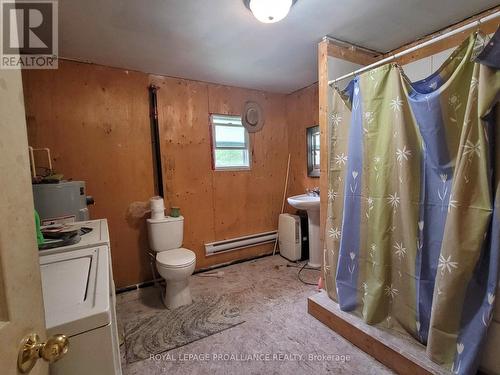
<point x="177" y="294"/>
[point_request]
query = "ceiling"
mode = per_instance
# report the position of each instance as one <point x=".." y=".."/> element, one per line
<point x="220" y="41"/>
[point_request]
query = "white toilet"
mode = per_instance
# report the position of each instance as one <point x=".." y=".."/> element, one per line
<point x="174" y="263"/>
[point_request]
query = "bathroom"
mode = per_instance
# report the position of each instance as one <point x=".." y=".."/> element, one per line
<point x="208" y="230"/>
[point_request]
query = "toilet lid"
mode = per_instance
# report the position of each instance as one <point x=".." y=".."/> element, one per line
<point x="176" y="258"/>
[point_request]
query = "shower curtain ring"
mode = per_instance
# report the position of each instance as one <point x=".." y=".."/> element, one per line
<point x="478" y="27"/>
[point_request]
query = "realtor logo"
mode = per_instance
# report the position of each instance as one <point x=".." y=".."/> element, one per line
<point x="28" y="34"/>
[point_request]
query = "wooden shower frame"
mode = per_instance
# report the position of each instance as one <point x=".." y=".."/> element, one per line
<point x="331" y="48"/>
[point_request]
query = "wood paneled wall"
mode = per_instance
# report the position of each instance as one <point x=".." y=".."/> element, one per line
<point x="302" y="112"/>
<point x="95" y="120"/>
<point x="219" y="205"/>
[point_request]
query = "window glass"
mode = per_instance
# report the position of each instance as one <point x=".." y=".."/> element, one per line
<point x="230" y="143"/>
<point x="230" y="136"/>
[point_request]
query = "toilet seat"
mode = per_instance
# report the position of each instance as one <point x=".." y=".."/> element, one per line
<point x="177" y="258"/>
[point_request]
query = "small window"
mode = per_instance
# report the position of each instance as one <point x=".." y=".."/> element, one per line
<point x="313" y="151"/>
<point x="230" y="144"/>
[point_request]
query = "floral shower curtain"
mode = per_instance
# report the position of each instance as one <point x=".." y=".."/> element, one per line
<point x="413" y="224"/>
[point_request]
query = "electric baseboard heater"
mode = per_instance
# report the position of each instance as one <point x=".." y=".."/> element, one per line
<point x="240" y="242"/>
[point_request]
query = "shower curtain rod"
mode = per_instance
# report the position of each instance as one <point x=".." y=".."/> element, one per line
<point x="417" y="47"/>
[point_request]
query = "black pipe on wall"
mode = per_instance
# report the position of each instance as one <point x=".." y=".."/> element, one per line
<point x="155" y="138"/>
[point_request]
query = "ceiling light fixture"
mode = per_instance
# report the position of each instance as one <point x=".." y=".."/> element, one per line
<point x="269" y="11"/>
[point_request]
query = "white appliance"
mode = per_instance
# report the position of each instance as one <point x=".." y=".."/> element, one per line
<point x="79" y="298"/>
<point x="99" y="235"/>
<point x="63" y="202"/>
<point x="290" y="237"/>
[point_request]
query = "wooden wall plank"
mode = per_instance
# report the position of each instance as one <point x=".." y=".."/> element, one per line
<point x="350" y="53"/>
<point x="323" y="96"/>
<point x="381" y="352"/>
<point x="185" y="149"/>
<point x="250" y="201"/>
<point x="95" y="119"/>
<point x="302" y="113"/>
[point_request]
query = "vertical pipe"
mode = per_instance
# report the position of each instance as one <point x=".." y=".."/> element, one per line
<point x="155" y="138"/>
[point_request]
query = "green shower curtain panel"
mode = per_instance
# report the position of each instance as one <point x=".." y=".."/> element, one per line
<point x="413" y="225"/>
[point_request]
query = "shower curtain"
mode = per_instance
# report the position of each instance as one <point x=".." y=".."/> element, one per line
<point x="413" y="226"/>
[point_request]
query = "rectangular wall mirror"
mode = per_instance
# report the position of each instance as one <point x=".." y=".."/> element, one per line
<point x="312" y="135"/>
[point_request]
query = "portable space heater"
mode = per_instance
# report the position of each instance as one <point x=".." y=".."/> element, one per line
<point x="290" y="237"/>
<point x="63" y="202"/>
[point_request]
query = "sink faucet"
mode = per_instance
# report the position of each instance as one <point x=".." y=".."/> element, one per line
<point x="314" y="192"/>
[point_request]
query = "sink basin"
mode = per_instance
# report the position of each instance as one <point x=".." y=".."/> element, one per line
<point x="310" y="203"/>
<point x="304" y="202"/>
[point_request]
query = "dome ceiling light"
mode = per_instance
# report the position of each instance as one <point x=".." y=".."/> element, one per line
<point x="269" y="11"/>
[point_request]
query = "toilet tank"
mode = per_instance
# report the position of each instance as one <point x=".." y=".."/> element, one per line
<point x="166" y="233"/>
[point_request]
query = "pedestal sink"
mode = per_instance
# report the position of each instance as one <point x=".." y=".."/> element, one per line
<point x="310" y="203"/>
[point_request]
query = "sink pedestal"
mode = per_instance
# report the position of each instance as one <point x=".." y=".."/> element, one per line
<point x="315" y="258"/>
<point x="310" y="203"/>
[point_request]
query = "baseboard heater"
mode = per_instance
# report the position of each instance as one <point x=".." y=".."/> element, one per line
<point x="240" y="242"/>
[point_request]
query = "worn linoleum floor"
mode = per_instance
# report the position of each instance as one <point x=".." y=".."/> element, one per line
<point x="278" y="335"/>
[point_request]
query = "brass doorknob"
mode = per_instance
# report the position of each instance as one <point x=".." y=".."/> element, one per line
<point x="32" y="349"/>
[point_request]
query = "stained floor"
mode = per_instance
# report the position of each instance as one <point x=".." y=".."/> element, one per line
<point x="278" y="336"/>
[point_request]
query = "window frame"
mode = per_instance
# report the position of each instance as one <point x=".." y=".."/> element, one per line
<point x="214" y="147"/>
<point x="312" y="171"/>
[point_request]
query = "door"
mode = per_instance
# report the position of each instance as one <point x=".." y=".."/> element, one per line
<point x="21" y="304"/>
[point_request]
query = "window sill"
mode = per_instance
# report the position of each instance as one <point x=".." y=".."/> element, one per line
<point x="232" y="169"/>
<point x="313" y="174"/>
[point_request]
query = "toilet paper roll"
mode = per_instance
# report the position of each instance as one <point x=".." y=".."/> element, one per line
<point x="157" y="208"/>
<point x="157" y="204"/>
